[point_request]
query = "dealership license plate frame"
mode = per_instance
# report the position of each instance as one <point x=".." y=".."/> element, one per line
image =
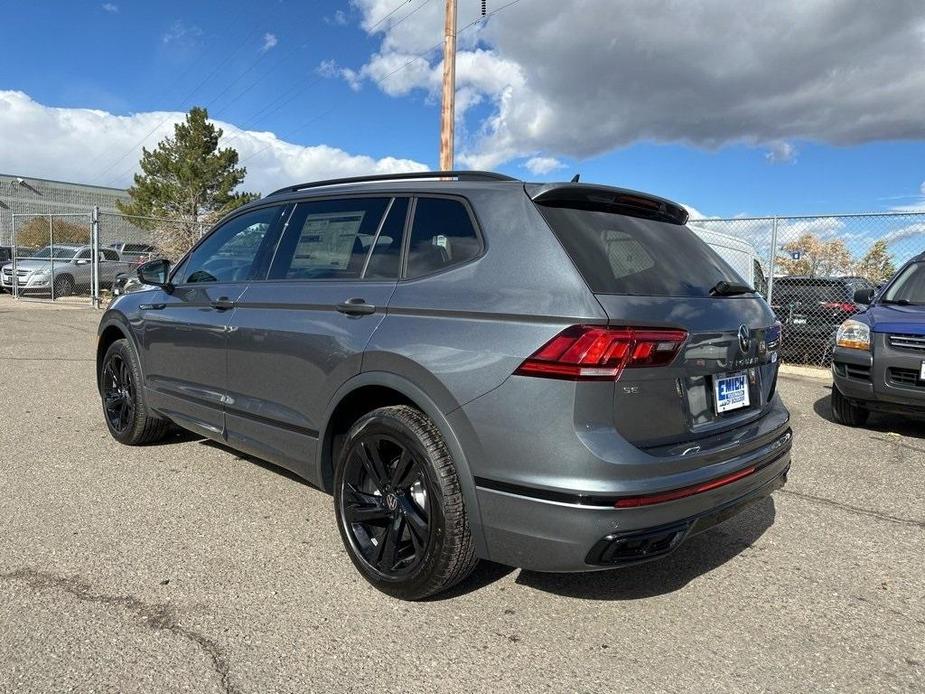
<point x="727" y="403"/>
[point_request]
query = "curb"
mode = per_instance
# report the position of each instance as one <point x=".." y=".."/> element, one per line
<point x="818" y="373"/>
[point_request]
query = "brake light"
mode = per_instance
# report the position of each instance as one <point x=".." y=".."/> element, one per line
<point x="593" y="352"/>
<point x="840" y="306"/>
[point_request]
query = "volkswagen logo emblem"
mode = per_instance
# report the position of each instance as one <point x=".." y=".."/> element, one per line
<point x="744" y="338"/>
<point x="391" y="501"/>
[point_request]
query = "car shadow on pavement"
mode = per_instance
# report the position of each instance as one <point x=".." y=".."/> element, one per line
<point x="283" y="472"/>
<point x="878" y="423"/>
<point x="694" y="558"/>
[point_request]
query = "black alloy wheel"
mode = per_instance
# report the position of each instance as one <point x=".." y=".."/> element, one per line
<point x="128" y="417"/>
<point x="386" y="506"/>
<point x="118" y="394"/>
<point x="399" y="504"/>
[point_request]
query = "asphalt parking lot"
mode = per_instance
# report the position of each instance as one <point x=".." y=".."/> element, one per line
<point x="184" y="567"/>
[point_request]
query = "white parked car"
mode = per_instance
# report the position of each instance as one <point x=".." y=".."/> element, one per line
<point x="741" y="256"/>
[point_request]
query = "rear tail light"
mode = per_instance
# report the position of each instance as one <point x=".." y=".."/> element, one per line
<point x="845" y="306"/>
<point x="592" y="352"/>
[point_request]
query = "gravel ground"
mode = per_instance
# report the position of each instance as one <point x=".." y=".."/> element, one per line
<point x="185" y="567"/>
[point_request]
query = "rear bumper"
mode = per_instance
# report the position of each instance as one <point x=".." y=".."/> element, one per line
<point x="542" y="534"/>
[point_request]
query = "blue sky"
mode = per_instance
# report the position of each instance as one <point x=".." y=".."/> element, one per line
<point x="714" y="151"/>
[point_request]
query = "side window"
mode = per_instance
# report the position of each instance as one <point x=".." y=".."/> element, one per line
<point x="234" y="251"/>
<point x="385" y="261"/>
<point x="109" y="255"/>
<point x="85" y="253"/>
<point x="328" y="239"/>
<point x="441" y="235"/>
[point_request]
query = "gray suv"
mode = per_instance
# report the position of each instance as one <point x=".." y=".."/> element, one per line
<point x="560" y="377"/>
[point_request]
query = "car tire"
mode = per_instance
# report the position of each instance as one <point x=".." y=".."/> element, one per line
<point x="127" y="415"/>
<point x="845" y="412"/>
<point x="399" y="505"/>
<point x="63" y="285"/>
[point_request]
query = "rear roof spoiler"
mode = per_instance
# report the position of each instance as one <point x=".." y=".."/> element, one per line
<point x="619" y="200"/>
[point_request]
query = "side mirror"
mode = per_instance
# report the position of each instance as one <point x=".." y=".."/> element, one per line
<point x="864" y="296"/>
<point x="156" y="273"/>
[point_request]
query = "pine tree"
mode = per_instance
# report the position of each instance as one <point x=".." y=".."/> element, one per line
<point x="188" y="180"/>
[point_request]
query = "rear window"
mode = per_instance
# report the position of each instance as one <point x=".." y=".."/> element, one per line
<point x="617" y="254"/>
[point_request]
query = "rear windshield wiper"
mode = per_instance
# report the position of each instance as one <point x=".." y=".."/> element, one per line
<point x="724" y="288"/>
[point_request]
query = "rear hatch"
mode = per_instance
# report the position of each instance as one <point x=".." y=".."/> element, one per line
<point x="649" y="271"/>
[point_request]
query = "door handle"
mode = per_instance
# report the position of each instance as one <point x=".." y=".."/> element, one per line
<point x="222" y="303"/>
<point x="356" y="307"/>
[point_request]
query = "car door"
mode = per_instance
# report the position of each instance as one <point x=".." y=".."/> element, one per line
<point x="300" y="333"/>
<point x="82" y="268"/>
<point x="185" y="329"/>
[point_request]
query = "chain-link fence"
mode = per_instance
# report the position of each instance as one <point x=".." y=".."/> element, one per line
<point x="49" y="256"/>
<point x="809" y="268"/>
<point x="81" y="256"/>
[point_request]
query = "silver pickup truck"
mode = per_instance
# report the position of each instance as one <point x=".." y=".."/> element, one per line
<point x="64" y="268"/>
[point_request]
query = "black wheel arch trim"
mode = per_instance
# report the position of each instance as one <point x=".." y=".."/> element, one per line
<point x="429" y="407"/>
<point x="113" y="319"/>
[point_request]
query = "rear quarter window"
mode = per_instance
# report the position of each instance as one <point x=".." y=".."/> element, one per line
<point x="442" y="235"/>
<point x="620" y="254"/>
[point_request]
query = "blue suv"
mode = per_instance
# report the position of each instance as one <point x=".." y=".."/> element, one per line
<point x="879" y="363"/>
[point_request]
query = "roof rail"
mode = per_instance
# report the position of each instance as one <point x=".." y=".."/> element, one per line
<point x="458" y="175"/>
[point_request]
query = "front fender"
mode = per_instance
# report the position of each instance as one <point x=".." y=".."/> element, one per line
<point x="114" y="320"/>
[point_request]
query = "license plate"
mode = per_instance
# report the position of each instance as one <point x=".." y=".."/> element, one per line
<point x="922" y="372"/>
<point x="799" y="321"/>
<point x="730" y="392"/>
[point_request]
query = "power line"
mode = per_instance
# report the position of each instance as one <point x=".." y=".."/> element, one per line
<point x="419" y="56"/>
<point x="388" y="15"/>
<point x="378" y="82"/>
<point x="414" y="11"/>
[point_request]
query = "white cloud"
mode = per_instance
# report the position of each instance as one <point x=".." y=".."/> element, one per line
<point x="339" y="18"/>
<point x="582" y="82"/>
<point x="181" y="32"/>
<point x="542" y="165"/>
<point x="110" y="7"/>
<point x="918" y="204"/>
<point x="781" y="152"/>
<point x="269" y="41"/>
<point x="327" y="68"/>
<point x="76" y="144"/>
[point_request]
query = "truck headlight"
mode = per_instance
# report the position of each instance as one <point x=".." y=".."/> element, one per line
<point x="853" y="334"/>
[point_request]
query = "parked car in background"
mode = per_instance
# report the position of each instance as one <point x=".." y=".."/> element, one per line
<point x="740" y="254"/>
<point x="134" y="252"/>
<point x="64" y="268"/>
<point x="879" y="362"/>
<point x="556" y="376"/>
<point x="810" y="310"/>
<point x="6" y="253"/>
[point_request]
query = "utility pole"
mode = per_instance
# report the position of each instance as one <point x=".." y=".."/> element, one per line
<point x="448" y="110"/>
